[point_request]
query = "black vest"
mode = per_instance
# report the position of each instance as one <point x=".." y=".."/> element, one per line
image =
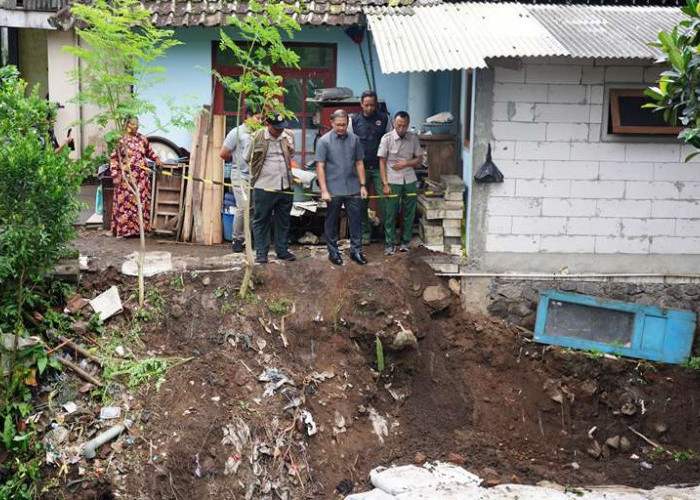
<point x="370" y="131"/>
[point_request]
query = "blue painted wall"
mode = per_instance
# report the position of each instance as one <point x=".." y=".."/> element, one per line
<point x="188" y="74"/>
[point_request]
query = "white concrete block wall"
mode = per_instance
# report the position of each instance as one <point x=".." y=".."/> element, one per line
<point x="566" y="191"/>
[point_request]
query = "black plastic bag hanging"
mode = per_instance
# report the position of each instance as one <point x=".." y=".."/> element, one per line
<point x="489" y="171"/>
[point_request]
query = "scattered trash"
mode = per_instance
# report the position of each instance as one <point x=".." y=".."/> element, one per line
<point x="646" y="465"/>
<point x="575" y="465"/>
<point x="318" y="318"/>
<point x="56" y="436"/>
<point x="70" y="407"/>
<point x="628" y="409"/>
<point x="120" y="351"/>
<point x="90" y="449"/>
<point x="153" y="263"/>
<point x="110" y="412"/>
<point x="232" y="464"/>
<point x="338" y="423"/>
<point x="216" y="399"/>
<point x="634" y="456"/>
<point x="107" y="304"/>
<point x="275" y="379"/>
<point x="237" y="434"/>
<point x="378" y="425"/>
<point x="308" y="420"/>
<point x="197" y="468"/>
<point x="309" y="238"/>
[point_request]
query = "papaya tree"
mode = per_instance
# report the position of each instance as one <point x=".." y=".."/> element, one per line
<point x="120" y="45"/>
<point x="258" y="48"/>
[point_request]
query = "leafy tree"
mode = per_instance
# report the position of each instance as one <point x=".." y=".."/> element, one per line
<point x="260" y="48"/>
<point x="120" y="45"/>
<point x="678" y="90"/>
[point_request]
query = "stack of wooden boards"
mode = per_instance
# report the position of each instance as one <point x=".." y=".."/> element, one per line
<point x="203" y="198"/>
<point x="440" y="227"/>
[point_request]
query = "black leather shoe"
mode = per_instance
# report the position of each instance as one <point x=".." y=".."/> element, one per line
<point x="261" y="259"/>
<point x="359" y="258"/>
<point x="289" y="256"/>
<point x="238" y="246"/>
<point x="336" y="259"/>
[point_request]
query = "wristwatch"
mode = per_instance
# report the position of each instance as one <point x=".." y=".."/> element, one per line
<point x="362" y="184"/>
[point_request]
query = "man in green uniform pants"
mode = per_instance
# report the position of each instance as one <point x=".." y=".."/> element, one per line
<point x="370" y="126"/>
<point x="399" y="153"/>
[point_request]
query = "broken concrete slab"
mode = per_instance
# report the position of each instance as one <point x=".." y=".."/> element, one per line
<point x="107" y="304"/>
<point x="154" y="263"/>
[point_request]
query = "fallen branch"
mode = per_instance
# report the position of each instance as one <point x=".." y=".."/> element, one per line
<point x="54" y="349"/>
<point x="81" y="372"/>
<point x="81" y="350"/>
<point x="655" y="445"/>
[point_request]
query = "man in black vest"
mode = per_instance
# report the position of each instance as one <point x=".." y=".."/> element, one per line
<point x="370" y="126"/>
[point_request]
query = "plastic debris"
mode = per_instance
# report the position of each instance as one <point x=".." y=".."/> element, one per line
<point x="378" y="424"/>
<point x="232" y="464"/>
<point x="308" y="420"/>
<point x="110" y="412"/>
<point x="90" y="449"/>
<point x="237" y="434"/>
<point x="70" y="407"/>
<point x="197" y="467"/>
<point x="275" y="379"/>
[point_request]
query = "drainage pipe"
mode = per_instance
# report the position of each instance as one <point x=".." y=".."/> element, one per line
<point x="91" y="447"/>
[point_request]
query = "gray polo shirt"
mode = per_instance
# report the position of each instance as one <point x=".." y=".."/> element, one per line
<point x="238" y="136"/>
<point x="340" y="153"/>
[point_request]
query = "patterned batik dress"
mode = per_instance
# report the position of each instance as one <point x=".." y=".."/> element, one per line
<point x="125" y="215"/>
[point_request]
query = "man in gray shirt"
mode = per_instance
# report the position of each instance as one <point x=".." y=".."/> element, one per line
<point x="233" y="152"/>
<point x="341" y="176"/>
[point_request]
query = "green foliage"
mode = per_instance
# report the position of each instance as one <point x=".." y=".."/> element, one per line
<point x="693" y="363"/>
<point x="117" y="53"/>
<point x="379" y="347"/>
<point x="178" y="283"/>
<point x="38" y="199"/>
<point x="143" y="371"/>
<point x="595" y="353"/>
<point x="684" y="456"/>
<point x="676" y="95"/>
<point x="279" y="306"/>
<point x="21" y="477"/>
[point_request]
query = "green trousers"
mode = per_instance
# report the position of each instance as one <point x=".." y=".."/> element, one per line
<point x="374" y="178"/>
<point x="406" y="195"/>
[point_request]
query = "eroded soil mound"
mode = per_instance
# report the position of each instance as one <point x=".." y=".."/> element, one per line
<point x="475" y="391"/>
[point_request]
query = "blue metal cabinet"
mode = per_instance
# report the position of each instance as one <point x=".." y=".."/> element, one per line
<point x="615" y="327"/>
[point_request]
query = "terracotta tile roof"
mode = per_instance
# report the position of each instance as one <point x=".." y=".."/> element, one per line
<point x="180" y="13"/>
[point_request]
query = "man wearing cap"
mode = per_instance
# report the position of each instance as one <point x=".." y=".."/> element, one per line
<point x="269" y="156"/>
<point x="341" y="176"/>
<point x="370" y="125"/>
<point x="399" y="153"/>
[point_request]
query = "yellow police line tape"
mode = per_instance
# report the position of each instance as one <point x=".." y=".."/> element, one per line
<point x="311" y="195"/>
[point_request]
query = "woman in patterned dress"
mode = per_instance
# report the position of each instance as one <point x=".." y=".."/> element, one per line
<point x="125" y="215"/>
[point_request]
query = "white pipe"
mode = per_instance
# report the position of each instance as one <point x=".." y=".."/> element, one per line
<point x="91" y="447"/>
<point x="544" y="276"/>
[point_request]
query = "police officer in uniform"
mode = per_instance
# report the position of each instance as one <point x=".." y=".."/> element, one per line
<point x="370" y="126"/>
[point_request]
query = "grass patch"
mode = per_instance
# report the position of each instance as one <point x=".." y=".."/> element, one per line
<point x="279" y="306"/>
<point x="142" y="371"/>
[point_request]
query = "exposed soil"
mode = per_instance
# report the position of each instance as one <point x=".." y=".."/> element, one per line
<point x="476" y="391"/>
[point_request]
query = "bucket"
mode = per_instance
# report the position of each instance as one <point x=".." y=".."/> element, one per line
<point x="227" y="223"/>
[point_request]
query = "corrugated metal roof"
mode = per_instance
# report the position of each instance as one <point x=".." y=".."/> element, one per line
<point x="460" y="36"/>
<point x="457" y="36"/>
<point x="607" y="32"/>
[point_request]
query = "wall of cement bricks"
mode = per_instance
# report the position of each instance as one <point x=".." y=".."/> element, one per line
<point x="568" y="191"/>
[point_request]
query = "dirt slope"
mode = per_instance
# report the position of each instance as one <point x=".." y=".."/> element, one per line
<point x="475" y="391"/>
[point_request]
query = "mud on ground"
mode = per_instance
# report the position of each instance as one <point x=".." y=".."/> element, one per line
<point x="476" y="392"/>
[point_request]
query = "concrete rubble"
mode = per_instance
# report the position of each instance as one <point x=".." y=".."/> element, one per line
<point x="441" y="481"/>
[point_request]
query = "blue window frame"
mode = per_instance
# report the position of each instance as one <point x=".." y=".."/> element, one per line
<point x="615" y="327"/>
